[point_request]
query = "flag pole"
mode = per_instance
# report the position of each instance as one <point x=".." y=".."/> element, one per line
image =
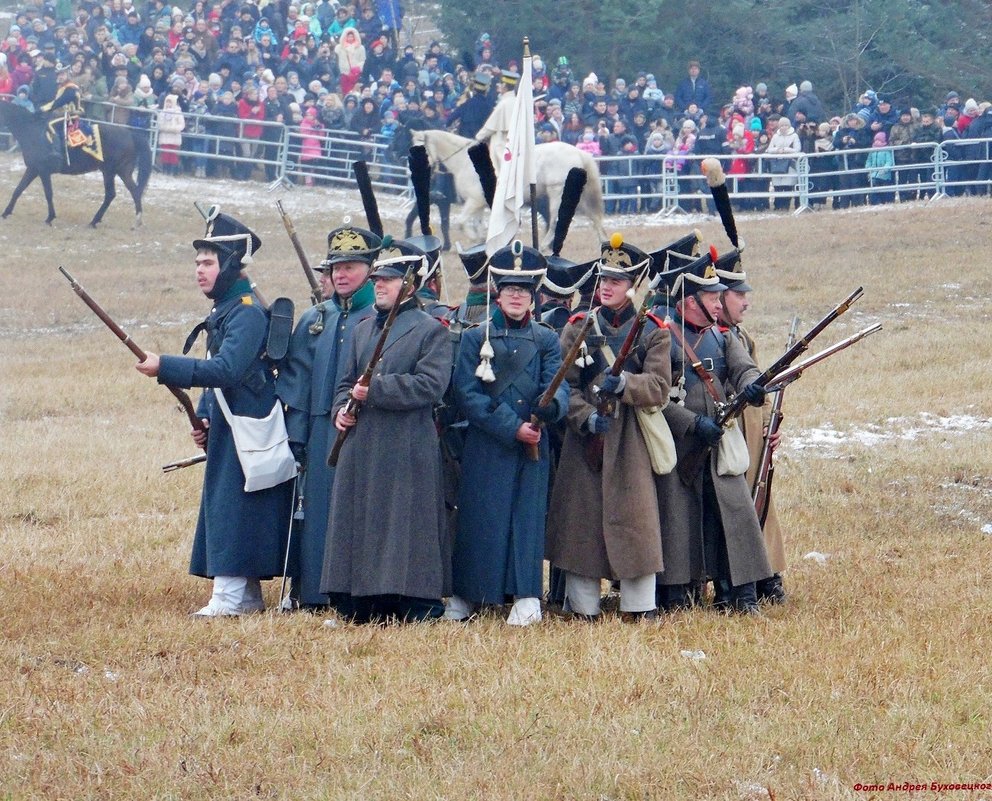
<point x="533" y="187"/>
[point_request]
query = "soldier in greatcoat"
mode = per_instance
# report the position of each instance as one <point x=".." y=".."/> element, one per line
<point x="711" y="530"/>
<point x="307" y="380"/>
<point x="240" y="536"/>
<point x="503" y="368"/>
<point x="386" y="536"/>
<point x="604" y="521"/>
<point x="735" y="303"/>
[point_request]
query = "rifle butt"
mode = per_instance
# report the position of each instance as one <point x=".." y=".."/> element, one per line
<point x="332" y="457"/>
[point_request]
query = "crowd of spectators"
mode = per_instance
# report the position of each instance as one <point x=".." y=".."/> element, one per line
<point x="334" y="71"/>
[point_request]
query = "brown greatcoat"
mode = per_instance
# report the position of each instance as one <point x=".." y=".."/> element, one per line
<point x="753" y="422"/>
<point x="606" y="524"/>
<point x="682" y="538"/>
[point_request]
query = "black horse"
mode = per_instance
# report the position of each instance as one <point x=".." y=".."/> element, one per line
<point x="122" y="150"/>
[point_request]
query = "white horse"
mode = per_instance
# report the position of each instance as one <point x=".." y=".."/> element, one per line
<point x="553" y="160"/>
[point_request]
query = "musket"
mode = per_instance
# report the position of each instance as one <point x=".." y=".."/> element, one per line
<point x="122" y="335"/>
<point x="691" y="462"/>
<point x="533" y="451"/>
<point x="316" y="296"/>
<point x="181" y="463"/>
<point x="786" y="377"/>
<point x="353" y="406"/>
<point x="762" y="489"/>
<point x="735" y="406"/>
<point x="607" y="405"/>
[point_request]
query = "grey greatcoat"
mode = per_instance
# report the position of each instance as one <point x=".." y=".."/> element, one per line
<point x="307" y="380"/>
<point x="238" y="533"/>
<point x="606" y="524"/>
<point x="387" y="533"/>
<point x="682" y="536"/>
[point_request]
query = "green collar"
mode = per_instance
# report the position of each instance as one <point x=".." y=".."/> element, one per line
<point x="362" y="299"/>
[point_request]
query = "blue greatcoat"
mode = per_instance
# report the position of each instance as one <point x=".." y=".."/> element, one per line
<point x="499" y="549"/>
<point x="308" y="377"/>
<point x="238" y="533"/>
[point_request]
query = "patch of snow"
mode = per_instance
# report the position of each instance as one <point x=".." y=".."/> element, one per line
<point x="987" y="528"/>
<point x="829" y="440"/>
<point x="695" y="656"/>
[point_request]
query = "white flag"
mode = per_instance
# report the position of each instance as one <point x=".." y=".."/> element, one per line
<point x="516" y="168"/>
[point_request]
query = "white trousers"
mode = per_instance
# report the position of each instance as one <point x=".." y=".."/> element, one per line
<point x="582" y="594"/>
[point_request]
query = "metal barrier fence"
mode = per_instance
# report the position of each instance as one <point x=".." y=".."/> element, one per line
<point x="666" y="185"/>
<point x="662" y="185"/>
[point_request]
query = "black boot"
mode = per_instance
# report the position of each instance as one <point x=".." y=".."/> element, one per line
<point x="674" y="597"/>
<point x="771" y="591"/>
<point x="742" y="599"/>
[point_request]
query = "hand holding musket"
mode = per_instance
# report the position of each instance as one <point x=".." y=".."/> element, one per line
<point x="533" y="451"/>
<point x="353" y="405"/>
<point x="122" y="335"/>
<point x="315" y="294"/>
<point x="607" y="405"/>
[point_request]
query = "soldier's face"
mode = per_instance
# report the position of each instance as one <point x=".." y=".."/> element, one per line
<point x="345" y="278"/>
<point x="207" y="270"/>
<point x="515" y="301"/>
<point x="696" y="304"/>
<point x="387" y="290"/>
<point x="613" y="291"/>
<point x="735" y="306"/>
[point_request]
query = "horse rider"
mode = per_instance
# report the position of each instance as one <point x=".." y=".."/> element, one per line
<point x="496" y="129"/>
<point x="472" y="113"/>
<point x="63" y="112"/>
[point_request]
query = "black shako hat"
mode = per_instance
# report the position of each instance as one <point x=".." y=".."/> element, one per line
<point x="619" y="259"/>
<point x="518" y="265"/>
<point x="396" y="257"/>
<point x="565" y="277"/>
<point x="350" y="243"/>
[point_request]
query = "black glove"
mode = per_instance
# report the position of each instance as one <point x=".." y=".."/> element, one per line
<point x="299" y="452"/>
<point x="614" y="384"/>
<point x="546" y="414"/>
<point x="708" y="431"/>
<point x="598" y="424"/>
<point x="754" y="393"/>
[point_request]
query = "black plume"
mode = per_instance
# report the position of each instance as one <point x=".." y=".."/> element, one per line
<point x="575" y="181"/>
<point x="368" y="197"/>
<point x="479" y="153"/>
<point x="420" y="177"/>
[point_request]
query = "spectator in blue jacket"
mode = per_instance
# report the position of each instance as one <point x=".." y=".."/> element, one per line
<point x="693" y="89"/>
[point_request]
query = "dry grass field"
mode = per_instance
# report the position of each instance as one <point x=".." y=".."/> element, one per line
<point x="874" y="672"/>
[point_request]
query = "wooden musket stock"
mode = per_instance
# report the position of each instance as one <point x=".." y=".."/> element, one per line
<point x="352" y="406"/>
<point x="315" y="293"/>
<point x="123" y="336"/>
<point x="534" y="451"/>
<point x="607" y="405"/>
<point x="762" y="488"/>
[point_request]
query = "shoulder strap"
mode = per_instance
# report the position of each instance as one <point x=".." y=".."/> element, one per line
<point x="697" y="365"/>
